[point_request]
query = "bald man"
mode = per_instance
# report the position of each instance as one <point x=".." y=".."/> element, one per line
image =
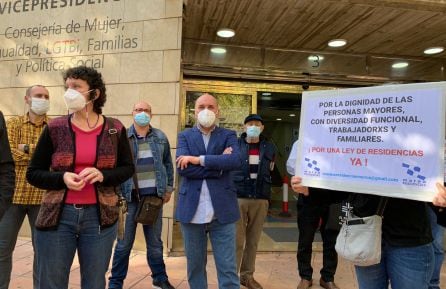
<point x="207" y="200"/>
<point x="153" y="177"/>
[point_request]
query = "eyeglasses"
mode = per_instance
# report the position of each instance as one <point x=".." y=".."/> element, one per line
<point x="146" y="110"/>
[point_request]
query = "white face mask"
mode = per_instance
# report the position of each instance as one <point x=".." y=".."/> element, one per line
<point x="74" y="100"/>
<point x="39" y="106"/>
<point x="206" y="118"/>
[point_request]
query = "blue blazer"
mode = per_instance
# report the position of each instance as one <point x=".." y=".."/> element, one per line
<point x="216" y="172"/>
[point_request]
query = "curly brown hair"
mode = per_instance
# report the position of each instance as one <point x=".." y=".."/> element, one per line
<point x="94" y="80"/>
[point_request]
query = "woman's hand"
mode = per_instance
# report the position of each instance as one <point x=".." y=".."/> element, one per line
<point x="296" y="185"/>
<point x="440" y="198"/>
<point x="91" y="175"/>
<point x="73" y="181"/>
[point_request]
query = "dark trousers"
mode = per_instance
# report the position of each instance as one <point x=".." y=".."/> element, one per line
<point x="308" y="217"/>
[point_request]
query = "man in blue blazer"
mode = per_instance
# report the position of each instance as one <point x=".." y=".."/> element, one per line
<point x="207" y="201"/>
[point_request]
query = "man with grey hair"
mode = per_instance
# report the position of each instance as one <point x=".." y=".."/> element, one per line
<point x="24" y="132"/>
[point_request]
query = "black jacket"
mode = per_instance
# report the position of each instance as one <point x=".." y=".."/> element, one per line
<point x="324" y="197"/>
<point x="261" y="187"/>
<point x="405" y="222"/>
<point x="7" y="172"/>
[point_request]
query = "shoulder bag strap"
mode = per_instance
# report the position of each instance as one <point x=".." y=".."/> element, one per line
<point x="122" y="204"/>
<point x="381" y="206"/>
<point x="113" y="133"/>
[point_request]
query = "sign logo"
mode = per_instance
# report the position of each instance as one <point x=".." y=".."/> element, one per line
<point x="311" y="168"/>
<point x="414" y="176"/>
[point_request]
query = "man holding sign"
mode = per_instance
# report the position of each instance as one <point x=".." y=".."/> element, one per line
<point x="313" y="212"/>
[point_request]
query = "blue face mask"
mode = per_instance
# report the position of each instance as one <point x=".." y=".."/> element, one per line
<point x="253" y="131"/>
<point x="142" y="118"/>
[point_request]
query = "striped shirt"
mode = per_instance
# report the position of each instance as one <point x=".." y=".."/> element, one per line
<point x="22" y="131"/>
<point x="254" y="153"/>
<point x="145" y="169"/>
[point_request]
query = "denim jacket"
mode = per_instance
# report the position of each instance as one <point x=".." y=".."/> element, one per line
<point x="159" y="144"/>
<point x="261" y="187"/>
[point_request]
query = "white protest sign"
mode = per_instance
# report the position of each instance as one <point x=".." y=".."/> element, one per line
<point x="385" y="140"/>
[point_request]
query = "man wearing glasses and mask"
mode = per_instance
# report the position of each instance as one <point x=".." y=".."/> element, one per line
<point x="153" y="177"/>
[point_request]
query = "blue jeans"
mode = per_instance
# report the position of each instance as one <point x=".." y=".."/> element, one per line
<point x="438" y="235"/>
<point x="78" y="230"/>
<point x="403" y="267"/>
<point x="123" y="248"/>
<point x="9" y="229"/>
<point x="222" y="238"/>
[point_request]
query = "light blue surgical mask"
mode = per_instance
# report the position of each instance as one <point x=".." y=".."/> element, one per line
<point x="142" y="118"/>
<point x="253" y="131"/>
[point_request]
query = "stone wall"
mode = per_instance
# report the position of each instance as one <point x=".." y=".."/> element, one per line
<point x="136" y="44"/>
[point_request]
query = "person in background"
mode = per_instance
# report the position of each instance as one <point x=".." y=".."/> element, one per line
<point x="311" y="210"/>
<point x="207" y="200"/>
<point x="154" y="174"/>
<point x="7" y="172"/>
<point x="80" y="159"/>
<point x="253" y="183"/>
<point x="438" y="236"/>
<point x="23" y="132"/>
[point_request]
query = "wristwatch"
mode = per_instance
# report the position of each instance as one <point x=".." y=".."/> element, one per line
<point x="26" y="148"/>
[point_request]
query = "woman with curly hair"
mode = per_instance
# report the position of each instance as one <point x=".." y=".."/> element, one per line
<point x="79" y="160"/>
